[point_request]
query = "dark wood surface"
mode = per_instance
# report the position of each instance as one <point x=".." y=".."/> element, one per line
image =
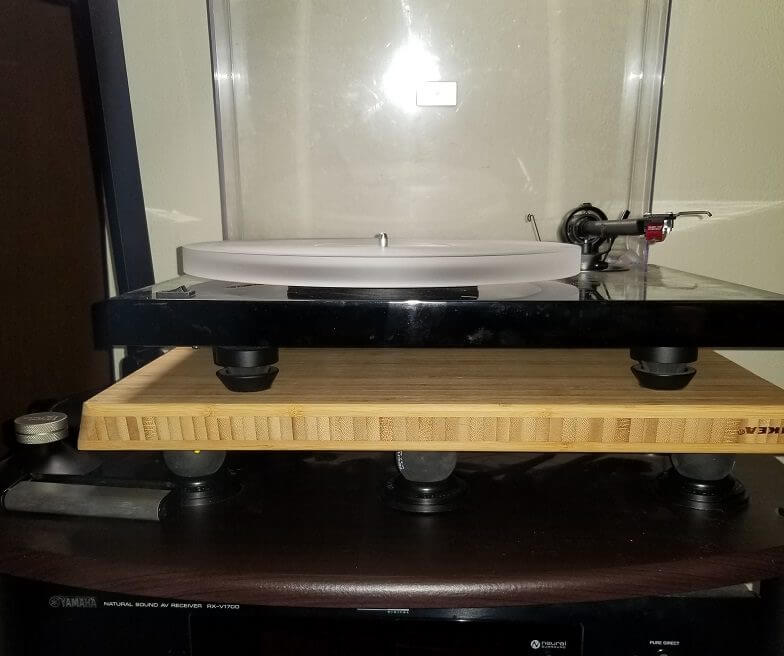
<point x="52" y="246"/>
<point x="311" y="530"/>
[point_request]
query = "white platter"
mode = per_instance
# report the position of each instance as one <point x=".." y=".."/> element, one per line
<point x="366" y="263"/>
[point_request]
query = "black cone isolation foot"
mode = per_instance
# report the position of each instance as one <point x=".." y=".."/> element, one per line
<point x="664" y="367"/>
<point x="662" y="381"/>
<point x="726" y="494"/>
<point x="247" y="379"/>
<point x="246" y="368"/>
<point x="417" y="497"/>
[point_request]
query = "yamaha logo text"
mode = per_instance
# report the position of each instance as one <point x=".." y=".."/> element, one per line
<point x="59" y="601"/>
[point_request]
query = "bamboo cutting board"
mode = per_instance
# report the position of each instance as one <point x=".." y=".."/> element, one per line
<point x="437" y="399"/>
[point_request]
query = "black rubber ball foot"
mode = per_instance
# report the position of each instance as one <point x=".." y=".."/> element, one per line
<point x="205" y="491"/>
<point x="247" y="379"/>
<point x="724" y="495"/>
<point x="663" y="381"/>
<point x="415" y="497"/>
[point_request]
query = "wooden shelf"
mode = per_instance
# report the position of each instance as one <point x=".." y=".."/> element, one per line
<point x="437" y="399"/>
<point x="312" y="530"/>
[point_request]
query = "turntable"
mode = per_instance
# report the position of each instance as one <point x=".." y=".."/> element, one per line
<point x="413" y="270"/>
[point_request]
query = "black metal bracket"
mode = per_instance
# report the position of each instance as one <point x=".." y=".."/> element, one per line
<point x="107" y="101"/>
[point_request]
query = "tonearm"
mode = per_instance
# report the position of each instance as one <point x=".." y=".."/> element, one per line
<point x="587" y="226"/>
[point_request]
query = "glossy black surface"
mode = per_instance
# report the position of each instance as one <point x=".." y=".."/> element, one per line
<point x="46" y="619"/>
<point x="661" y="307"/>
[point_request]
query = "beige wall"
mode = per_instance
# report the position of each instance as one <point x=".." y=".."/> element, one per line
<point x="722" y="148"/>
<point x="168" y="59"/>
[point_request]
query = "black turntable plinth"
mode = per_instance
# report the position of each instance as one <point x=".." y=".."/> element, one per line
<point x="660" y="307"/>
